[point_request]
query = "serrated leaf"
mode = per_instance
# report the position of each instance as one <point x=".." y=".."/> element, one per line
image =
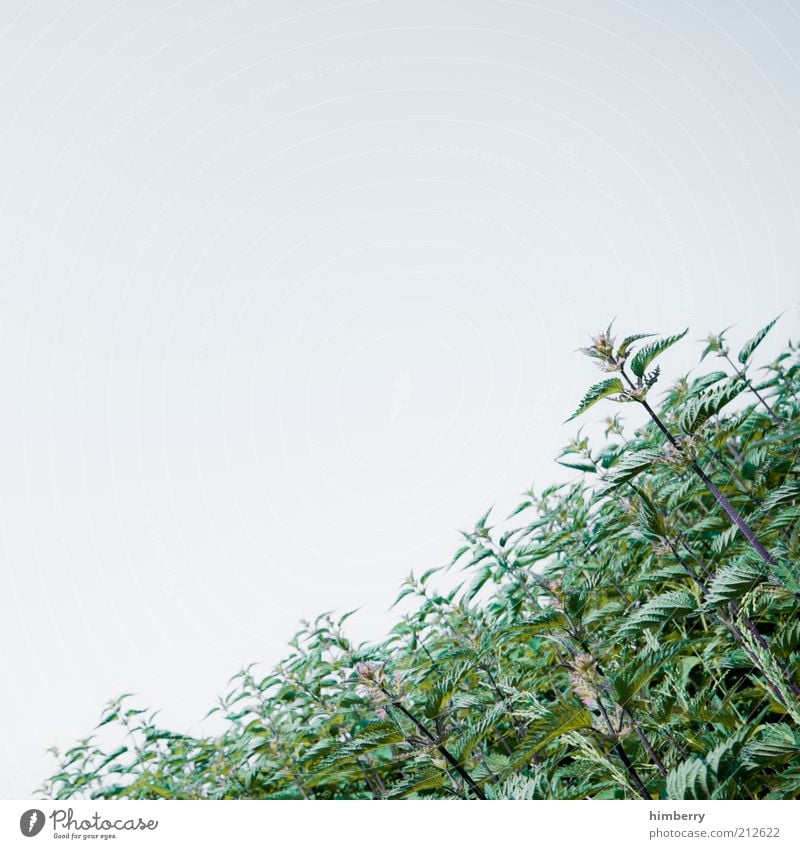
<point x="644" y="356"/>
<point x="707" y="380"/>
<point x="773" y="743"/>
<point x="732" y="581"/>
<point x="708" y="777"/>
<point x="638" y="672"/>
<point x="629" y="466"/>
<point x="749" y="347"/>
<point x="700" y="408"/>
<point x="657" y="610"/>
<point x="628" y="341"/>
<point x="580" y="467"/>
<point x="612" y="386"/>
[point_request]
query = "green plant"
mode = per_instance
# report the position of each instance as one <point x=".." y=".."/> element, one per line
<point x="633" y="633"/>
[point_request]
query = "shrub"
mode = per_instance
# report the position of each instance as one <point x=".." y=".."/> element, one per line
<point x="631" y="634"/>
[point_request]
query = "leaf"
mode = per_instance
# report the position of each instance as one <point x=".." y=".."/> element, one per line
<point x="523" y="506"/>
<point x="612" y="386"/>
<point x="689" y="780"/>
<point x="710" y="777"/>
<point x="484" y="573"/>
<point x="731" y="582"/>
<point x="707" y="380"/>
<point x="629" y="466"/>
<point x="374" y="737"/>
<point x="702" y="407"/>
<point x="785" y="494"/>
<point x="548" y="620"/>
<point x="787" y="572"/>
<point x="581" y="467"/>
<point x="657" y="610"/>
<point x="425" y="780"/>
<point x="777" y="742"/>
<point x="629" y="340"/>
<point x="645" y="356"/>
<point x="638" y="672"/>
<point x="749" y="347"/>
<point x="406" y="591"/>
<point x="557" y="721"/>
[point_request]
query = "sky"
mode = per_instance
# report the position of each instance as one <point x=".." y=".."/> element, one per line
<point x="290" y="292"/>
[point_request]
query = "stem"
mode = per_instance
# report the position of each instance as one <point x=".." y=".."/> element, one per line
<point x="623" y="756"/>
<point x="646" y="743"/>
<point x="639" y="731"/>
<point x="742" y="376"/>
<point x="733" y="514"/>
<point x="517" y="725"/>
<point x="737" y="634"/>
<point x="730" y="625"/>
<point x="621" y="753"/>
<point x="444" y="752"/>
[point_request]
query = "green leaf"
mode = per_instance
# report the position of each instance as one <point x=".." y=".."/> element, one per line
<point x="707" y="380"/>
<point x="700" y="408"/>
<point x="630" y="465"/>
<point x="612" y="386"/>
<point x="731" y="582"/>
<point x="645" y="356"/>
<point x="580" y="467"/>
<point x="557" y="721"/>
<point x="752" y="344"/>
<point x="786" y="494"/>
<point x="657" y="610"/>
<point x="710" y="777"/>
<point x="629" y="340"/>
<point x="484" y="573"/>
<point x="406" y="591"/>
<point x="374" y="737"/>
<point x="425" y="780"/>
<point x="778" y="742"/>
<point x="638" y="672"/>
<point x="689" y="780"/>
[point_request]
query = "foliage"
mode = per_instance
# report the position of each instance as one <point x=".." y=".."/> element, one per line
<point x="631" y="634"/>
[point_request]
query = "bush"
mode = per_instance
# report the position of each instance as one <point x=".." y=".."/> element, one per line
<point x="632" y="634"/>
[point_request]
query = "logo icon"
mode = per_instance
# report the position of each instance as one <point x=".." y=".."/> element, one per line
<point x="31" y="822"/>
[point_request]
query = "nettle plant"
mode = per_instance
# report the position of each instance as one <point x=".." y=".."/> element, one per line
<point x="633" y="633"/>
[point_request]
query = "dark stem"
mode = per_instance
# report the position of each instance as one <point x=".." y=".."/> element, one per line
<point x="742" y="376"/>
<point x="442" y="749"/>
<point x="646" y="743"/>
<point x="623" y="756"/>
<point x="621" y="753"/>
<point x="762" y="641"/>
<point x="733" y="514"/>
<point x="731" y="626"/>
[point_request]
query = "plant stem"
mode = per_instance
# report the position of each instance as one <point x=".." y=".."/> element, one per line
<point x="742" y="376"/>
<point x="442" y="749"/>
<point x="737" y="634"/>
<point x="646" y="743"/>
<point x="732" y="512"/>
<point x="623" y="756"/>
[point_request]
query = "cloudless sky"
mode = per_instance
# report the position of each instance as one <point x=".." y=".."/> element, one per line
<point x="290" y="292"/>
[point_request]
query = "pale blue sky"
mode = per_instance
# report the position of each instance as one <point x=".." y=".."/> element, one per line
<point x="290" y="292"/>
